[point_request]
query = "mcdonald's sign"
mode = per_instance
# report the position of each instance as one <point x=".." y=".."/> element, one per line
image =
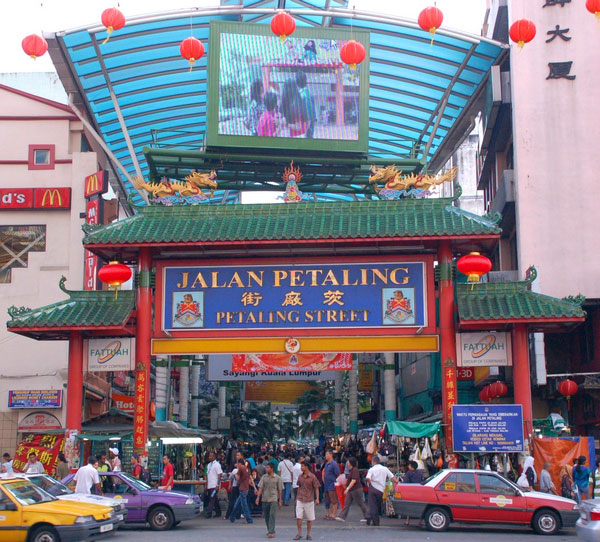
<point x="52" y="198"/>
<point x="96" y="183"/>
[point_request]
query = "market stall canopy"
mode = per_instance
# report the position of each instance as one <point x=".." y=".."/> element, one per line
<point x="171" y="429"/>
<point x="139" y="92"/>
<point x="413" y="429"/>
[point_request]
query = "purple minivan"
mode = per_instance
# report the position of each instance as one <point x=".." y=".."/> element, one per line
<point x="161" y="509"/>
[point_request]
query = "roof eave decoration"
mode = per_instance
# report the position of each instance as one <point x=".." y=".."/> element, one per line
<point x="83" y="310"/>
<point x="515" y="302"/>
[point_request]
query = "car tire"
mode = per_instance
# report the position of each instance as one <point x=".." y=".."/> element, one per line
<point x="546" y="522"/>
<point x="160" y="518"/>
<point x="44" y="534"/>
<point x="437" y="519"/>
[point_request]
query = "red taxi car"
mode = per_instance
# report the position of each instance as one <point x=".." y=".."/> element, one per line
<point x="476" y="496"/>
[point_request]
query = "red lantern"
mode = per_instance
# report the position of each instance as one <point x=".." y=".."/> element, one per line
<point x="484" y="395"/>
<point x="498" y="389"/>
<point x="522" y="32"/>
<point x="113" y="20"/>
<point x="430" y="19"/>
<point x="474" y="265"/>
<point x="593" y="6"/>
<point x="283" y="25"/>
<point x="34" y="46"/>
<point x="114" y="274"/>
<point x="352" y="53"/>
<point x="568" y="388"/>
<point x="191" y="49"/>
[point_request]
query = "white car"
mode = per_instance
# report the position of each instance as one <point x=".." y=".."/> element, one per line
<point x="62" y="492"/>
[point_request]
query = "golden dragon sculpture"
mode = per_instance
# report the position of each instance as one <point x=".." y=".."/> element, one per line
<point x="392" y="179"/>
<point x="192" y="186"/>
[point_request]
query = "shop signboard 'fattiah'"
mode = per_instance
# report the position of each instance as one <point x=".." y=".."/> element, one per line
<point x="483" y="349"/>
<point x="111" y="354"/>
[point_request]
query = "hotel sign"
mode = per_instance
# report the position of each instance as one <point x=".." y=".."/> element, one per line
<point x="35" y="198"/>
<point x="306" y="296"/>
<point x="483" y="349"/>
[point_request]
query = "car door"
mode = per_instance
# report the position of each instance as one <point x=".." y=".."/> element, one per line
<point x="459" y="493"/>
<point x="501" y="502"/>
<point x="11" y="520"/>
<point x="118" y="488"/>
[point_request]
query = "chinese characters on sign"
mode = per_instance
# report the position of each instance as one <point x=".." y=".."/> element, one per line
<point x="47" y="448"/>
<point x="141" y="405"/>
<point x="449" y="392"/>
<point x="351" y="295"/>
<point x="559" y="70"/>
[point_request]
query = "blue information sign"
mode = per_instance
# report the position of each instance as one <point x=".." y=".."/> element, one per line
<point x="487" y="428"/>
<point x="347" y="295"/>
<point x="34" y="398"/>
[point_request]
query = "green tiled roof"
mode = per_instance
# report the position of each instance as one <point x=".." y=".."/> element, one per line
<point x="301" y="221"/>
<point x="512" y="301"/>
<point x="82" y="309"/>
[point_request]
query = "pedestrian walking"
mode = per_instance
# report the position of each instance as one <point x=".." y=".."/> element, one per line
<point x="114" y="461"/>
<point x="528" y="477"/>
<point x="244" y="481"/>
<point x="260" y="466"/>
<point x="296" y="472"/>
<point x="307" y="497"/>
<point x="596" y="480"/>
<point x="567" y="488"/>
<point x="234" y="492"/>
<point x="213" y="483"/>
<point x="285" y="469"/>
<point x="168" y="477"/>
<point x="377" y="477"/>
<point x="103" y="465"/>
<point x="581" y="477"/>
<point x="270" y="490"/>
<point x="33" y="465"/>
<point x="87" y="477"/>
<point x="546" y="483"/>
<point x="62" y="467"/>
<point x="354" y="491"/>
<point x="330" y="474"/>
<point x="7" y="464"/>
<point x="136" y="467"/>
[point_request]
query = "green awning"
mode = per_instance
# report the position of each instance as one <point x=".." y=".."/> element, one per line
<point x="412" y="429"/>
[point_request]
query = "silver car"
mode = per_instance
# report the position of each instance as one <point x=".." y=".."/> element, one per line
<point x="588" y="524"/>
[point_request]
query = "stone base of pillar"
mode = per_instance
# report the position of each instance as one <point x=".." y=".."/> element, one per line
<point x="354" y="427"/>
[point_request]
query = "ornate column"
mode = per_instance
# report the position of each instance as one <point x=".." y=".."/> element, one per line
<point x="337" y="412"/>
<point x="522" y="377"/>
<point x="75" y="382"/>
<point x="389" y="386"/>
<point x="353" y="396"/>
<point x="184" y="393"/>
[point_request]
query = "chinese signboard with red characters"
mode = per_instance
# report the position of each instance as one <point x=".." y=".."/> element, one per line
<point x="259" y="363"/>
<point x="449" y="392"/>
<point x="47" y="448"/>
<point x="35" y="198"/>
<point x="140" y="435"/>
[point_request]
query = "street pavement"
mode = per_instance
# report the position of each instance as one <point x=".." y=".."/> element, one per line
<point x="391" y="530"/>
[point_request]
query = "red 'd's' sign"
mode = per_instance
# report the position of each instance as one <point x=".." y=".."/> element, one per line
<point x="96" y="183"/>
<point x="16" y="198"/>
<point x="52" y="198"/>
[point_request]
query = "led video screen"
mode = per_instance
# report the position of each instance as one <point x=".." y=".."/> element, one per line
<point x="294" y="93"/>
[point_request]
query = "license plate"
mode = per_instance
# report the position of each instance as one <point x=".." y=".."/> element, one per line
<point x="120" y="517"/>
<point x="106" y="528"/>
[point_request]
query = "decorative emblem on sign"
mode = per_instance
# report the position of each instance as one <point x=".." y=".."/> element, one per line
<point x="398" y="308"/>
<point x="398" y="186"/>
<point x="291" y="176"/>
<point x="188" y="311"/>
<point x="292" y="346"/>
<point x="170" y="193"/>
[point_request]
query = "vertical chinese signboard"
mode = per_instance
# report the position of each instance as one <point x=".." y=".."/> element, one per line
<point x="141" y="400"/>
<point x="559" y="34"/>
<point x="95" y="186"/>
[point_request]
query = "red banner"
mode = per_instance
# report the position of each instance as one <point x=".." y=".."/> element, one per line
<point x="47" y="448"/>
<point x="52" y="198"/>
<point x="16" y="198"/>
<point x="140" y="434"/>
<point x="261" y="363"/>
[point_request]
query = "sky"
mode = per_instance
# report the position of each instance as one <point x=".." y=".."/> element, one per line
<point x="24" y="17"/>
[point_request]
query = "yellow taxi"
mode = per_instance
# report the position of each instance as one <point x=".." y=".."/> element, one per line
<point x="28" y="513"/>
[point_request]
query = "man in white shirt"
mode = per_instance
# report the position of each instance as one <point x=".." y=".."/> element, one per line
<point x="285" y="473"/>
<point x="33" y="465"/>
<point x="114" y="461"/>
<point x="213" y="484"/>
<point x="7" y="465"/>
<point x="86" y="477"/>
<point x="296" y="472"/>
<point x="377" y="477"/>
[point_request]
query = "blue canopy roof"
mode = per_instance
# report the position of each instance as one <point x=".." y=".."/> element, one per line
<point x="137" y="88"/>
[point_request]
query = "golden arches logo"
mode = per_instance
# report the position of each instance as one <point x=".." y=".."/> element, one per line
<point x="52" y="193"/>
<point x="93" y="184"/>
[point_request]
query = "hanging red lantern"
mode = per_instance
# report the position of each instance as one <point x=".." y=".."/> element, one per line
<point x="114" y="274"/>
<point x="484" y="395"/>
<point x="474" y="265"/>
<point x="430" y="19"/>
<point x="191" y="49"/>
<point x="352" y="53"/>
<point x="568" y="388"/>
<point x="593" y="6"/>
<point x="522" y="32"/>
<point x="113" y="20"/>
<point x="283" y="25"/>
<point x="498" y="389"/>
<point x="34" y="45"/>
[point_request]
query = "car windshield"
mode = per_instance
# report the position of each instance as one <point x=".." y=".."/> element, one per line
<point x="52" y="486"/>
<point x="138" y="484"/>
<point x="433" y="477"/>
<point x="27" y="493"/>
